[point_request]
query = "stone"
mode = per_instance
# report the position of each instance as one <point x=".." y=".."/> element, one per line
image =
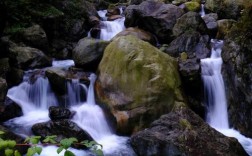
<point x="192" y="6"/>
<point x="155" y="17"/>
<point x="88" y="53"/>
<point x="211" y="23"/>
<point x="182" y="132"/>
<point x="9" y="111"/>
<point x="224" y="27"/>
<point x="4" y="67"/>
<point x="14" y="76"/>
<point x="137" y="82"/>
<point x="57" y="113"/>
<point x="3" y="90"/>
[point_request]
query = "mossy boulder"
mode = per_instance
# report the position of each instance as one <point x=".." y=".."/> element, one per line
<point x="224" y="26"/>
<point x="137" y="82"/>
<point x="192" y="6"/>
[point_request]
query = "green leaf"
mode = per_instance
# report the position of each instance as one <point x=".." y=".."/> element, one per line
<point x="98" y="152"/>
<point x="38" y="150"/>
<point x="60" y="149"/>
<point x="50" y="139"/>
<point x="67" y="142"/>
<point x="69" y="153"/>
<point x="73" y="140"/>
<point x="27" y="140"/>
<point x="16" y="153"/>
<point x="30" y="151"/>
<point x="2" y="132"/>
<point x="11" y="143"/>
<point x="3" y="144"/>
<point x="8" y="152"/>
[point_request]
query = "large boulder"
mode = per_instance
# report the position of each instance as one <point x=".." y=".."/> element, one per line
<point x="224" y="27"/>
<point x="88" y="53"/>
<point x="3" y="90"/>
<point x="9" y="111"/>
<point x="57" y="113"/>
<point x="155" y="17"/>
<point x="62" y="128"/>
<point x="237" y="54"/>
<point x="4" y="67"/>
<point x="191" y="21"/>
<point x="137" y="82"/>
<point x="211" y="23"/>
<point x="28" y="58"/>
<point x="182" y="132"/>
<point x="229" y="9"/>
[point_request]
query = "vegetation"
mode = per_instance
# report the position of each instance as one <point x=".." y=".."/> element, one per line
<point x="35" y="147"/>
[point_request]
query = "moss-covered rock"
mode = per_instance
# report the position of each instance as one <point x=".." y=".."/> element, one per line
<point x="192" y="6"/>
<point x="137" y="82"/>
<point x="224" y="26"/>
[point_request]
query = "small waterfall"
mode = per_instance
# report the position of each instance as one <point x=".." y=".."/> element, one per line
<point x="215" y="98"/>
<point x="65" y="64"/>
<point x="74" y="92"/>
<point x="202" y="10"/>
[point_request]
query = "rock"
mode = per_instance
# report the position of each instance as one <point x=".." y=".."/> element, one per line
<point x="63" y="129"/>
<point x="9" y="111"/>
<point x="155" y="17"/>
<point x="88" y="53"/>
<point x="137" y="82"/>
<point x="14" y="76"/>
<point x="3" y="13"/>
<point x="3" y="90"/>
<point x="178" y="2"/>
<point x="28" y="58"/>
<point x="58" y="78"/>
<point x="8" y="135"/>
<point x="237" y="69"/>
<point x="113" y="11"/>
<point x="211" y="23"/>
<point x="226" y="9"/>
<point x="182" y="132"/>
<point x="224" y="27"/>
<point x="114" y="17"/>
<point x="139" y="33"/>
<point x="192" y="6"/>
<point x="33" y="36"/>
<point x="191" y="21"/>
<point x="57" y="113"/>
<point x="195" y="47"/>
<point x="4" y="67"/>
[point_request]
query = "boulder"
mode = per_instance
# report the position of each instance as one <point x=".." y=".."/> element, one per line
<point x="14" y="76"/>
<point x="155" y="17"/>
<point x="191" y="21"/>
<point x="226" y="9"/>
<point x="28" y="58"/>
<point x="139" y="33"/>
<point x="57" y="113"/>
<point x="224" y="27"/>
<point x="4" y="67"/>
<point x="192" y="6"/>
<point x="211" y="23"/>
<point x="189" y="48"/>
<point x="63" y="129"/>
<point x="9" y="111"/>
<point x="137" y="82"/>
<point x="237" y="69"/>
<point x="182" y="132"/>
<point x="88" y="53"/>
<point x="33" y="36"/>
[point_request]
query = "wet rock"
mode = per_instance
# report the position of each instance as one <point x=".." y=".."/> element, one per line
<point x="3" y="90"/>
<point x="155" y="17"/>
<point x="190" y="21"/>
<point x="4" y="67"/>
<point x="63" y="129"/>
<point x="9" y="111"/>
<point x="182" y="132"/>
<point x="28" y="58"/>
<point x="88" y="53"/>
<point x="57" y="113"/>
<point x="137" y="82"/>
<point x="139" y="33"/>
<point x="114" y="17"/>
<point x="211" y="23"/>
<point x="14" y="76"/>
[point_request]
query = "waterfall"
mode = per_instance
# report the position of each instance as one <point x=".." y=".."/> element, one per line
<point x="215" y="98"/>
<point x="202" y="10"/>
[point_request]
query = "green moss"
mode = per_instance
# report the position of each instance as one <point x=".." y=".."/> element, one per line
<point x="192" y="6"/>
<point x="185" y="124"/>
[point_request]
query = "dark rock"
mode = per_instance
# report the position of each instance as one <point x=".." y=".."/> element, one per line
<point x="8" y="135"/>
<point x="114" y="17"/>
<point x="57" y="113"/>
<point x="14" y="76"/>
<point x="191" y="21"/>
<point x="88" y="53"/>
<point x="211" y="23"/>
<point x="10" y="110"/>
<point x="4" y="67"/>
<point x="63" y="129"/>
<point x="139" y="33"/>
<point x="155" y="17"/>
<point x="3" y="90"/>
<point x="224" y="27"/>
<point x="28" y="58"/>
<point x="182" y="132"/>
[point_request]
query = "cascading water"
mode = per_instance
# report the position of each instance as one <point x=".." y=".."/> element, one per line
<point x="110" y="28"/>
<point x="202" y="10"/>
<point x="215" y="97"/>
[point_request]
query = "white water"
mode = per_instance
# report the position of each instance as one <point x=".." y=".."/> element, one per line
<point x="202" y="10"/>
<point x="63" y="63"/>
<point x="215" y="99"/>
